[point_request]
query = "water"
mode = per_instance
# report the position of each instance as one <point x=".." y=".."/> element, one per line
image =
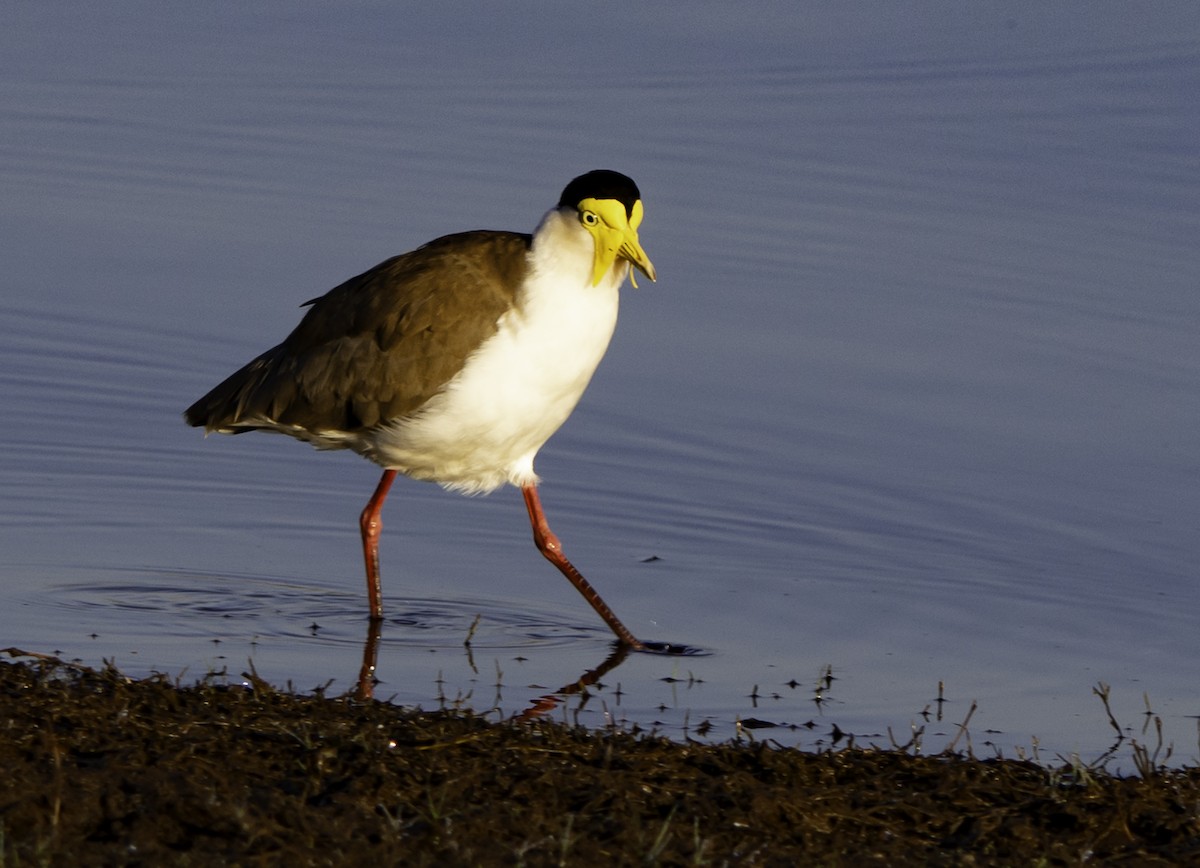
<point x="914" y="400"/>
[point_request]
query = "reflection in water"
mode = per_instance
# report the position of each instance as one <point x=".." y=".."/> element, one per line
<point x="365" y="686"/>
<point x="543" y="705"/>
<point x="365" y="683"/>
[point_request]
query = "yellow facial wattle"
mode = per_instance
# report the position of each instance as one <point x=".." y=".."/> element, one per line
<point x="615" y="236"/>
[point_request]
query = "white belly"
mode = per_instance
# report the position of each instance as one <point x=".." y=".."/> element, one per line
<point x="513" y="393"/>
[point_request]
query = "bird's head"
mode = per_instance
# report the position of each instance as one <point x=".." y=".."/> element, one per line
<point x="609" y="207"/>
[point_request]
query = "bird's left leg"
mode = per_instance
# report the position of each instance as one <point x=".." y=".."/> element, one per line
<point x="551" y="548"/>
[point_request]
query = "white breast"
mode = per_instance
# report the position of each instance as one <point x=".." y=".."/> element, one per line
<point x="514" y="392"/>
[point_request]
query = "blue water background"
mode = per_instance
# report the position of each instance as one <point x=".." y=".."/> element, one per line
<point x="915" y="400"/>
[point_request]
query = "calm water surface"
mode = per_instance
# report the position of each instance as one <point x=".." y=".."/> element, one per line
<point x="915" y="399"/>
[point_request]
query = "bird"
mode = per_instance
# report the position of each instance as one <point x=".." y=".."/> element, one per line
<point x="455" y="362"/>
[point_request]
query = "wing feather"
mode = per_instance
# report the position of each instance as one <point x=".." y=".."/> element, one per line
<point x="379" y="346"/>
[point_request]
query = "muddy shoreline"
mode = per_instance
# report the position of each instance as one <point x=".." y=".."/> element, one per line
<point x="101" y="769"/>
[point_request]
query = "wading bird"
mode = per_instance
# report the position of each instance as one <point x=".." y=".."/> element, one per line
<point x="455" y="362"/>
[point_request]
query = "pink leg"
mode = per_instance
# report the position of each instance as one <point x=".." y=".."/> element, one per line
<point x="372" y="526"/>
<point x="551" y="548"/>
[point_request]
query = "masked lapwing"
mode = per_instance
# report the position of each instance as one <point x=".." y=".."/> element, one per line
<point x="454" y="363"/>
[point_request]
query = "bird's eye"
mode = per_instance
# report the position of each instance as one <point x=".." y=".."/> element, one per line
<point x="589" y="218"/>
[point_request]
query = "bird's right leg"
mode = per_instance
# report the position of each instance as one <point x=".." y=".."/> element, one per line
<point x="372" y="525"/>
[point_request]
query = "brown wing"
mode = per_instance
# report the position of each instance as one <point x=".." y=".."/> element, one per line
<point x="380" y="345"/>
